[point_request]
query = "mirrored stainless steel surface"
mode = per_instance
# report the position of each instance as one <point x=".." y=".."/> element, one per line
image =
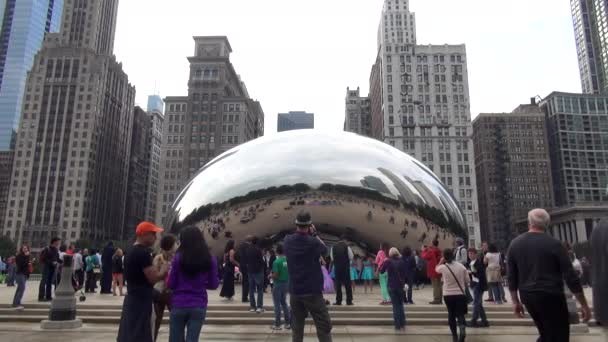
<point x="352" y="185"/>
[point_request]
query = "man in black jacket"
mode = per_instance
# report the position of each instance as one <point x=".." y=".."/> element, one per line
<point x="479" y="284"/>
<point x="49" y="262"/>
<point x="255" y="267"/>
<point x="342" y="255"/>
<point x="538" y="265"/>
<point x="241" y="257"/>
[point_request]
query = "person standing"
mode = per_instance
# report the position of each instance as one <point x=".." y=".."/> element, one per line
<point x="241" y="258"/>
<point x="342" y="256"/>
<point x="460" y="252"/>
<point x="303" y="251"/>
<point x="280" y="275"/>
<point x="455" y="279"/>
<point x="479" y="284"/>
<point x="162" y="298"/>
<point x="269" y="258"/>
<point x="599" y="251"/>
<point x="93" y="270"/>
<point x="117" y="272"/>
<point x="492" y="262"/>
<point x="79" y="268"/>
<point x="228" y="276"/>
<point x="255" y="267"/>
<point x="193" y="272"/>
<point x="382" y="276"/>
<point x="22" y="263"/>
<point x="538" y="265"/>
<point x="432" y="255"/>
<point x="106" y="268"/>
<point x="136" y="321"/>
<point x="49" y="259"/>
<point x="409" y="262"/>
<point x="367" y="275"/>
<point x="394" y="267"/>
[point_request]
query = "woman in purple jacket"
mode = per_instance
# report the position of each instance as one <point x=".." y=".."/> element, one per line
<point x="193" y="271"/>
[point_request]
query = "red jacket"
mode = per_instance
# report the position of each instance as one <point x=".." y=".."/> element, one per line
<point x="432" y="255"/>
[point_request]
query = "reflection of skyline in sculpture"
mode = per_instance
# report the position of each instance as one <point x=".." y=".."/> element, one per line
<point x="258" y="187"/>
<point x="406" y="192"/>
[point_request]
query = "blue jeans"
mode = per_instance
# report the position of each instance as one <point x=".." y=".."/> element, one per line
<point x="279" y="297"/>
<point x="256" y="284"/>
<point x="495" y="288"/>
<point x="397" y="296"/>
<point x="186" y="323"/>
<point x="20" y="279"/>
<point x="410" y="284"/>
<point x="478" y="310"/>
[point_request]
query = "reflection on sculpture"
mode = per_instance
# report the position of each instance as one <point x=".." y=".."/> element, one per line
<point x="352" y="185"/>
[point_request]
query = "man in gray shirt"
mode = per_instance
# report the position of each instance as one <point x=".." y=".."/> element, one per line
<point x="538" y="266"/>
<point x="599" y="251"/>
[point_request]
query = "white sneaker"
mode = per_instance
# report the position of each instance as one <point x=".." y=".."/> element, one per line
<point x="260" y="310"/>
<point x="252" y="310"/>
<point x="19" y="308"/>
<point x="276" y="327"/>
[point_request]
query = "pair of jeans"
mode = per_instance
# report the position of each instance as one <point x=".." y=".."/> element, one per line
<point x="478" y="311"/>
<point x="256" y="285"/>
<point x="550" y="314"/>
<point x="410" y="290"/>
<point x="279" y="298"/>
<point x="495" y="290"/>
<point x="244" y="287"/>
<point x="315" y="305"/>
<point x="457" y="309"/>
<point x="186" y="324"/>
<point x="437" y="290"/>
<point x="49" y="281"/>
<point x="20" y="279"/>
<point x="398" y="311"/>
<point x="343" y="279"/>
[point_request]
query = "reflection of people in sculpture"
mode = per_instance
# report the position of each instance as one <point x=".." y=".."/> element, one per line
<point x="392" y="220"/>
<point x="422" y="238"/>
<point x="404" y="233"/>
<point x="369" y="215"/>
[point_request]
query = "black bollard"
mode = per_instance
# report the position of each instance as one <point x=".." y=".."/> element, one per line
<point x="63" y="307"/>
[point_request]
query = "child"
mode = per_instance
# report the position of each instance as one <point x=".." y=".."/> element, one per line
<point x="354" y="273"/>
<point x="279" y="290"/>
<point x="367" y="275"/>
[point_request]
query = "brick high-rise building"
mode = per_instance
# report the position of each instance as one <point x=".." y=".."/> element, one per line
<point x="425" y="105"/>
<point x="513" y="170"/>
<point x="216" y="115"/>
<point x="358" y="116"/>
<point x="72" y="151"/>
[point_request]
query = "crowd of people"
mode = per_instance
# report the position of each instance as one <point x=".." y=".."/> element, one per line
<point x="536" y="267"/>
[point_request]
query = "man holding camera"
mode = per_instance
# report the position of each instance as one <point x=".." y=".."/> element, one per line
<point x="303" y="251"/>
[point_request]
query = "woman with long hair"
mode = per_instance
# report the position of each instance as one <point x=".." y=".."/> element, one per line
<point x="382" y="276"/>
<point x="168" y="246"/>
<point x="455" y="280"/>
<point x="229" y="264"/>
<point x="117" y="272"/>
<point x="93" y="269"/>
<point x="193" y="271"/>
<point x="22" y="273"/>
<point x="492" y="262"/>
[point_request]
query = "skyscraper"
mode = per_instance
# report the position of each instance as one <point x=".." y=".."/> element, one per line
<point x="590" y="19"/>
<point x="215" y="116"/>
<point x="358" y="116"/>
<point x="156" y="116"/>
<point x="513" y="170"/>
<point x="73" y="145"/>
<point x="295" y="120"/>
<point x="425" y="105"/>
<point x="24" y="24"/>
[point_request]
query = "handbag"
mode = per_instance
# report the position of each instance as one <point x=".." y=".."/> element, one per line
<point x="466" y="294"/>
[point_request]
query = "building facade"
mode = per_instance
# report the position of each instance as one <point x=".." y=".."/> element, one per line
<point x="295" y="120"/>
<point x="156" y="117"/>
<point x="578" y="145"/>
<point x="513" y="170"/>
<point x="73" y="145"/>
<point x="590" y="19"/>
<point x="426" y="105"/>
<point x="24" y="24"/>
<point x="358" y="116"/>
<point x="375" y="100"/>
<point x="139" y="170"/>
<point x="215" y="116"/>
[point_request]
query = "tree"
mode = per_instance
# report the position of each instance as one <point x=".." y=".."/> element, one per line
<point x="7" y="247"/>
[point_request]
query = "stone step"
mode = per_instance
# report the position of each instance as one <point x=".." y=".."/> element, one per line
<point x="511" y="322"/>
<point x="267" y="314"/>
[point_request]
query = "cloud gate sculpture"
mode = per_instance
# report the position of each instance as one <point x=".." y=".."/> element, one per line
<point x="355" y="187"/>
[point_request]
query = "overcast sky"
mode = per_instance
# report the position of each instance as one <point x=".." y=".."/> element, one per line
<point x="301" y="55"/>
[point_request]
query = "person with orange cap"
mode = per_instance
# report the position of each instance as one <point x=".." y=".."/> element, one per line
<point x="140" y="275"/>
